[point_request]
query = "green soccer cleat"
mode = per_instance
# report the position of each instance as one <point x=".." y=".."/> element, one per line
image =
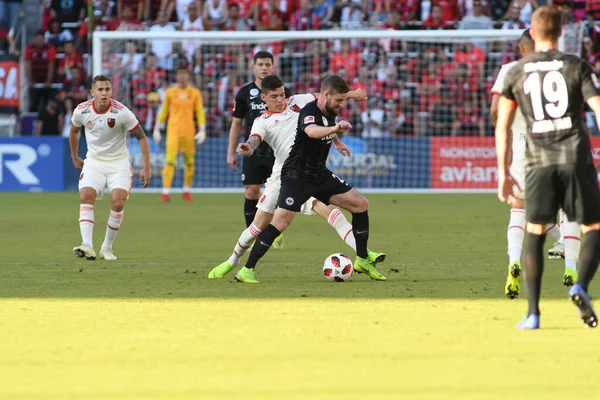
<point x="221" y="270"/>
<point x="570" y="277"/>
<point x="513" y="280"/>
<point x="376" y="257"/>
<point x="365" y="266"/>
<point x="246" y="275"/>
<point x="278" y="243"/>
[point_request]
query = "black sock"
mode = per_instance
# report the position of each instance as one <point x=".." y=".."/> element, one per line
<point x="262" y="245"/>
<point x="249" y="210"/>
<point x="360" y="229"/>
<point x="534" y="268"/>
<point x="589" y="258"/>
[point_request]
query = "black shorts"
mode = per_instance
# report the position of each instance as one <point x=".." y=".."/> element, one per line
<point x="574" y="188"/>
<point x="295" y="192"/>
<point x="256" y="170"/>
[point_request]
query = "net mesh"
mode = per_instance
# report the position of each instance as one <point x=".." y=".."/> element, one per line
<point x="425" y="124"/>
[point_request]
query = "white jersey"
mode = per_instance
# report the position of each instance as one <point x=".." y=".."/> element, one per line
<point x="105" y="133"/>
<point x="519" y="126"/>
<point x="279" y="129"/>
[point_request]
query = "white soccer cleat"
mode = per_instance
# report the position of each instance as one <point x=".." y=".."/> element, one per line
<point x="557" y="252"/>
<point x="84" y="251"/>
<point x="107" y="254"/>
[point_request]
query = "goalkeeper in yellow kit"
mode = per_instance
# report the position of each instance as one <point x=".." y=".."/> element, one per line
<point x="180" y="104"/>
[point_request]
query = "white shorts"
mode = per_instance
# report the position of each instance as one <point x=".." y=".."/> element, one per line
<point x="517" y="171"/>
<point x="268" y="200"/>
<point x="99" y="174"/>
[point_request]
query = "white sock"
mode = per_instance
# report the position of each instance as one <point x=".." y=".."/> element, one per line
<point x="86" y="223"/>
<point x="166" y="191"/>
<point x="553" y="231"/>
<point x="244" y="242"/>
<point x="114" y="223"/>
<point x="339" y="222"/>
<point x="563" y="218"/>
<point x="572" y="241"/>
<point x="515" y="234"/>
<point x="186" y="189"/>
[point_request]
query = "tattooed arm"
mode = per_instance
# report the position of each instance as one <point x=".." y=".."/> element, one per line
<point x="247" y="149"/>
<point x="140" y="135"/>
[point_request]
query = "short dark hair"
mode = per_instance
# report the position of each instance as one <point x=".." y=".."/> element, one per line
<point x="334" y="84"/>
<point x="271" y="83"/>
<point x="526" y="40"/>
<point x="546" y="23"/>
<point x="101" y="78"/>
<point x="263" y="54"/>
<point x="40" y="32"/>
<point x="234" y="5"/>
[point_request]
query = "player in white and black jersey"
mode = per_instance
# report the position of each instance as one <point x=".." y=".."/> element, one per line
<point x="551" y="89"/>
<point x="247" y="107"/>
<point x="277" y="127"/>
<point x="106" y="123"/>
<point x="304" y="175"/>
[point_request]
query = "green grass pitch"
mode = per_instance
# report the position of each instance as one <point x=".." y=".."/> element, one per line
<point x="152" y="326"/>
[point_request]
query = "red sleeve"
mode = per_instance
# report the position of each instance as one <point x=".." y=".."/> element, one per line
<point x="83" y="29"/>
<point x="51" y="53"/>
<point x="28" y="52"/>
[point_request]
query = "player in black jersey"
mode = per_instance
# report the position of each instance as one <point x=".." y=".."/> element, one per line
<point x="304" y="174"/>
<point x="249" y="106"/>
<point x="551" y="89"/>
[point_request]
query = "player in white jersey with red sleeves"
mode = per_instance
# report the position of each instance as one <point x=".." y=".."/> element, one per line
<point x="277" y="127"/>
<point x="516" y="225"/>
<point x="106" y="123"/>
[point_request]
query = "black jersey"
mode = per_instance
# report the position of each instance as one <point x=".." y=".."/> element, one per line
<point x="551" y="88"/>
<point x="308" y="157"/>
<point x="248" y="106"/>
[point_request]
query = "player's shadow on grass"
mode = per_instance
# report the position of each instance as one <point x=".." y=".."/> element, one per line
<point x="122" y="280"/>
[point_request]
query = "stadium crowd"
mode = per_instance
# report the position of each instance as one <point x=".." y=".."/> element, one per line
<point x="414" y="88"/>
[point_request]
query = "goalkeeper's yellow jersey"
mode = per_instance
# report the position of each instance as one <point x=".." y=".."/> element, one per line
<point x="180" y="105"/>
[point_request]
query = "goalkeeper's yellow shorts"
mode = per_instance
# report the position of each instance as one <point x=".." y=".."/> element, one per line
<point x="183" y="144"/>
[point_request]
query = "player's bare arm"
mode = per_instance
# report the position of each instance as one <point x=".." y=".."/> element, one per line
<point x="494" y="109"/>
<point x="318" y="132"/>
<point x="234" y="137"/>
<point x="140" y="135"/>
<point x="247" y="149"/>
<point x="341" y="147"/>
<point x="506" y="116"/>
<point x="74" y="143"/>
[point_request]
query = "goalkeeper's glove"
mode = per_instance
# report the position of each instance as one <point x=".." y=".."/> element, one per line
<point x="156" y="135"/>
<point x="201" y="135"/>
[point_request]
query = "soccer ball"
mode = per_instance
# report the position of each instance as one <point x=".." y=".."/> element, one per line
<point x="337" y="268"/>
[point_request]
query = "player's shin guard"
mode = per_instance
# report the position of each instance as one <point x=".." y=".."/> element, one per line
<point x="534" y="269"/>
<point x="572" y="242"/>
<point x="86" y="223"/>
<point x="515" y="234"/>
<point x="114" y="223"/>
<point x="263" y="243"/>
<point x="249" y="210"/>
<point x="360" y="229"/>
<point x="168" y="173"/>
<point x="341" y="225"/>
<point x="589" y="258"/>
<point x="244" y="242"/>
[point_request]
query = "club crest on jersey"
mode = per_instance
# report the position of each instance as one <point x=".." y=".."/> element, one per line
<point x="309" y="120"/>
<point x="295" y="108"/>
<point x="110" y="122"/>
<point x="325" y="122"/>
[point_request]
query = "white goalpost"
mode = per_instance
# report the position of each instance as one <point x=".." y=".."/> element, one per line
<point x="425" y="127"/>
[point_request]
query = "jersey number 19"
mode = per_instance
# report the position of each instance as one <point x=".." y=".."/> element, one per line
<point x="554" y="89"/>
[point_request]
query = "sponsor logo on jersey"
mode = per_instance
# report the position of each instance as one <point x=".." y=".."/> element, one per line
<point x="114" y="110"/>
<point x="289" y="201"/>
<point x="309" y="119"/>
<point x="86" y="111"/>
<point x="260" y="106"/>
<point x="111" y="122"/>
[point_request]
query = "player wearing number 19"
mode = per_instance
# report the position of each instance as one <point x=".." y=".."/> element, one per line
<point x="551" y="89"/>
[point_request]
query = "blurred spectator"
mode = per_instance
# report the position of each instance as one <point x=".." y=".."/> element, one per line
<point x="566" y="8"/>
<point x="441" y="115"/>
<point x="75" y="87"/>
<point x="324" y="11"/>
<point x="235" y="22"/>
<point x="592" y="8"/>
<point x="68" y="11"/>
<point x="156" y="74"/>
<point x="304" y="19"/>
<point x="467" y="7"/>
<point x="191" y="23"/>
<point x="215" y="14"/>
<point x="40" y="65"/>
<point x="579" y="7"/>
<point x="70" y="59"/>
<point x="9" y="11"/>
<point x="373" y="119"/>
<point x="513" y="20"/>
<point x="524" y="9"/>
<point x="152" y="8"/>
<point x="591" y="54"/>
<point x="468" y="121"/>
<point x="65" y="117"/>
<point x="462" y="87"/>
<point x="162" y="48"/>
<point x="132" y="59"/>
<point x="406" y="9"/>
<point x="346" y="58"/>
<point x="98" y="24"/>
<point x="270" y="19"/>
<point x="592" y="30"/>
<point x="57" y="36"/>
<point x="48" y="122"/>
<point x="474" y="57"/>
<point x="135" y="6"/>
<point x="450" y="12"/>
<point x="477" y="20"/>
<point x="391" y="20"/>
<point x="498" y="9"/>
<point x="127" y="21"/>
<point x="435" y="20"/>
<point x="353" y="12"/>
<point x="153" y="108"/>
<point x="106" y="6"/>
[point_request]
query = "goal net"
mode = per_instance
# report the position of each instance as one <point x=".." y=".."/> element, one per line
<point x="425" y="125"/>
